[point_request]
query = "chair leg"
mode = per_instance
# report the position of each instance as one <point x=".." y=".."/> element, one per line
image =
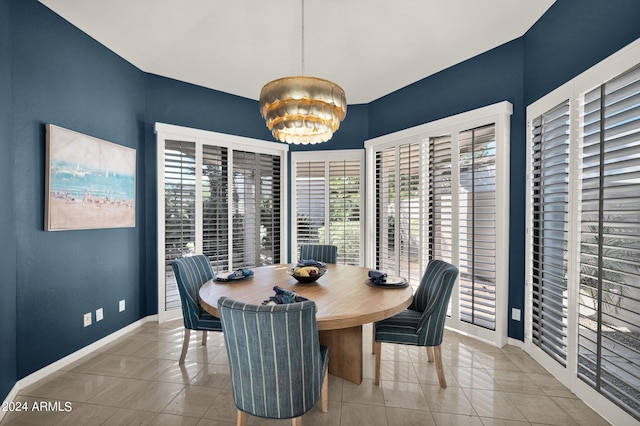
<point x="185" y="345"/>
<point x="296" y="421"/>
<point x="242" y="418"/>
<point x="439" y="369"/>
<point x="378" y="351"/>
<point x="324" y="396"/>
<point x="430" y="353"/>
<point x="204" y="337"/>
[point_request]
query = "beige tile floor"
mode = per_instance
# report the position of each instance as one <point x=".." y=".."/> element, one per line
<point x="137" y="380"/>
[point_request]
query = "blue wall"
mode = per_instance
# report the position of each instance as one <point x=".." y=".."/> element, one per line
<point x="8" y="319"/>
<point x="573" y="36"/>
<point x="50" y="72"/>
<point x="62" y="76"/>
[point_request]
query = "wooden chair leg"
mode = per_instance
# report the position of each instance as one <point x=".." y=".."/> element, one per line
<point x="242" y="419"/>
<point x="439" y="369"/>
<point x="324" y="396"/>
<point x="185" y="345"/>
<point x="204" y="337"/>
<point x="296" y="421"/>
<point x="378" y="352"/>
<point x="430" y="353"/>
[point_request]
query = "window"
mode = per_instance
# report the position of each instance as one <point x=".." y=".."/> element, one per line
<point x="221" y="196"/>
<point x="550" y="202"/>
<point x="328" y="207"/>
<point x="584" y="235"/>
<point x="180" y="209"/>
<point x="398" y="216"/>
<point x="441" y="191"/>
<point x="609" y="336"/>
<point x="440" y="199"/>
<point x="255" y="209"/>
<point x="477" y="226"/>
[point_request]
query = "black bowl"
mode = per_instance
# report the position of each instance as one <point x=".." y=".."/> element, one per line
<point x="307" y="280"/>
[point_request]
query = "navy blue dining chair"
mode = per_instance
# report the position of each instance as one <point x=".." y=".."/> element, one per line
<point x="321" y="252"/>
<point x="422" y="323"/>
<point x="278" y="368"/>
<point x="191" y="273"/>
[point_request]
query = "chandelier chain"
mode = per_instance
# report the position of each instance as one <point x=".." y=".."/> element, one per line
<point x="302" y="41"/>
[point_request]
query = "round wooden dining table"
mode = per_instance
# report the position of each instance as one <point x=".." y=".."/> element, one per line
<point x="344" y="302"/>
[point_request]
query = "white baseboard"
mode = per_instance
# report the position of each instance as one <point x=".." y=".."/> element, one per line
<point x="73" y="357"/>
<point x="515" y="342"/>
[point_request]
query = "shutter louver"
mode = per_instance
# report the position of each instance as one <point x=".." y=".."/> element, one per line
<point x="180" y="211"/>
<point x="408" y="217"/>
<point x="255" y="209"/>
<point x="215" y="206"/>
<point x="440" y="199"/>
<point x="385" y="209"/>
<point x="398" y="212"/>
<point x="344" y="209"/>
<point x="477" y="222"/>
<point x="608" y="352"/>
<point x="550" y="190"/>
<point x="310" y="202"/>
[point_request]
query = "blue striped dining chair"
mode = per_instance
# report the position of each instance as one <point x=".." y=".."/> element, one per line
<point x="320" y="252"/>
<point x="422" y="323"/>
<point x="191" y="272"/>
<point x="278" y="368"/>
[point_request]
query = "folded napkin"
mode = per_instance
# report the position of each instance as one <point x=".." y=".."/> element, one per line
<point x="283" y="296"/>
<point x="234" y="275"/>
<point x="311" y="262"/>
<point x="377" y="277"/>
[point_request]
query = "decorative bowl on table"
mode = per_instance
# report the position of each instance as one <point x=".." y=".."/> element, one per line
<point x="306" y="274"/>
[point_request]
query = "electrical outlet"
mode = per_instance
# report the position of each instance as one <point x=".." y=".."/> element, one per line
<point x="99" y="314"/>
<point x="87" y="319"/>
<point x="121" y="306"/>
<point x="515" y="314"/>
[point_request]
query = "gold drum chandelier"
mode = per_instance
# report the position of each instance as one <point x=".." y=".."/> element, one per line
<point x="301" y="109"/>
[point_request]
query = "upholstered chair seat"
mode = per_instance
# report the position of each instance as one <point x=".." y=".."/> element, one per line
<point x="422" y="324"/>
<point x="191" y="273"/>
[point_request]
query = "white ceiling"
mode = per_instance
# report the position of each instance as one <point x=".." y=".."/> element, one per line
<point x="369" y="47"/>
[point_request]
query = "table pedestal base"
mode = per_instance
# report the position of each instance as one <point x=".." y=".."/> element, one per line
<point x="345" y="352"/>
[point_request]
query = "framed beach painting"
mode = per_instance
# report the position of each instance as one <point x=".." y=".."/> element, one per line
<point x="90" y="183"/>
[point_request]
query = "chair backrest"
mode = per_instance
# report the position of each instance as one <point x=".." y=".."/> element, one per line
<point x="319" y="252"/>
<point x="191" y="272"/>
<point x="432" y="299"/>
<point x="274" y="355"/>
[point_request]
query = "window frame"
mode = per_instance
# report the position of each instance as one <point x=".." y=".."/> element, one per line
<point x="498" y="114"/>
<point x="326" y="157"/>
<point x="166" y="132"/>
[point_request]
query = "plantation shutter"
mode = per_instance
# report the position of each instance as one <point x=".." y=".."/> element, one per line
<point x="408" y="214"/>
<point x="310" y="202"/>
<point x="550" y="152"/>
<point x="215" y="206"/>
<point x="398" y="212"/>
<point x="255" y="209"/>
<point x="440" y="199"/>
<point x="608" y="353"/>
<point x="180" y="211"/>
<point x="270" y="209"/>
<point x="345" y="199"/>
<point x="385" y="209"/>
<point x="477" y="224"/>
